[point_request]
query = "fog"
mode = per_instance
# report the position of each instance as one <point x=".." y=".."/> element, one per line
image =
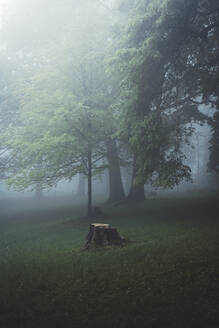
<point x="58" y="80"/>
<point x="109" y="163"/>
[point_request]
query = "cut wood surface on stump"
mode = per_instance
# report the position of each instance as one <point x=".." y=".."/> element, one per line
<point x="101" y="234"/>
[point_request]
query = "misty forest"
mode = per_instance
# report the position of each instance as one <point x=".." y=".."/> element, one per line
<point x="109" y="163"/>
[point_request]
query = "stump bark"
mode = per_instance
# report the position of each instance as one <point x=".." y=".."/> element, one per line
<point x="101" y="235"/>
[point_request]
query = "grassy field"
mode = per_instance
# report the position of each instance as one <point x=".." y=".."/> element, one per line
<point x="167" y="278"/>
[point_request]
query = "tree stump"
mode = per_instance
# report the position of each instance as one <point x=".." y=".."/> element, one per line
<point x="101" y="235"/>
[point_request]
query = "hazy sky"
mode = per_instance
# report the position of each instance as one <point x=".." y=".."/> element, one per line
<point x="3" y="8"/>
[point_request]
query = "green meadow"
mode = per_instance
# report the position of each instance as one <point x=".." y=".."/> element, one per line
<point x="168" y="276"/>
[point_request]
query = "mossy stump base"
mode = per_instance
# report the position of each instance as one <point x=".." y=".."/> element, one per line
<point x="101" y="235"/>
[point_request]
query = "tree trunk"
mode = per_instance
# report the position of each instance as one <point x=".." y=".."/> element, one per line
<point x="101" y="235"/>
<point x="116" y="190"/>
<point x="136" y="193"/>
<point x="81" y="186"/>
<point x="39" y="191"/>
<point x="89" y="182"/>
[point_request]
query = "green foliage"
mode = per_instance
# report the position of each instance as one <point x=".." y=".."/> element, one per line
<point x="164" y="61"/>
<point x="141" y="82"/>
<point x="64" y="114"/>
<point x="8" y="112"/>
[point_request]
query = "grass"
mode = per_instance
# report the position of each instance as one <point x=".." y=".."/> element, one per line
<point x="167" y="278"/>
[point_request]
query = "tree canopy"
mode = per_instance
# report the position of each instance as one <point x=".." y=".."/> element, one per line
<point x="168" y="58"/>
<point x="134" y="73"/>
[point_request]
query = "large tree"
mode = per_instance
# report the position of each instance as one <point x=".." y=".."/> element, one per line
<point x="165" y="62"/>
<point x="213" y="164"/>
<point x="65" y="116"/>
